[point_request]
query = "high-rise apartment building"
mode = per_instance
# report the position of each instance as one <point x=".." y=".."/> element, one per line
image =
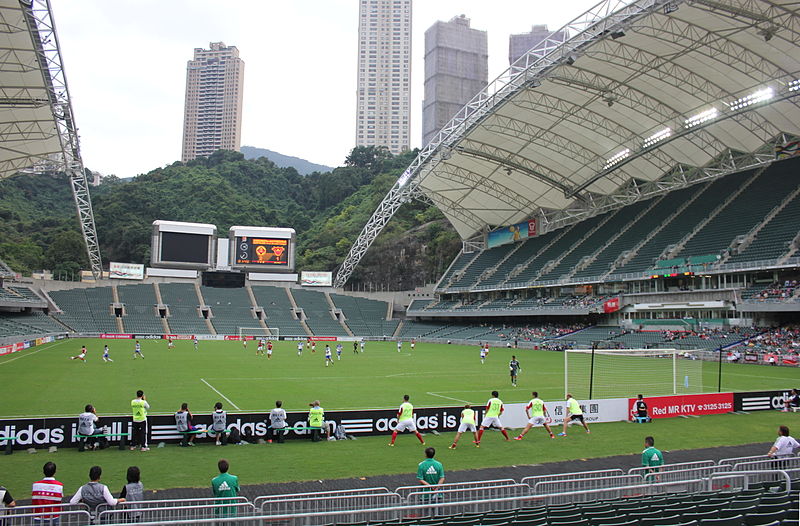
<point x="456" y="69"/>
<point x="213" y="109"/>
<point x="520" y="44"/>
<point x="384" y="74"/>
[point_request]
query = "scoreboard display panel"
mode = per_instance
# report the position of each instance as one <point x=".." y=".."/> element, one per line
<point x="262" y="251"/>
<point x="182" y="245"/>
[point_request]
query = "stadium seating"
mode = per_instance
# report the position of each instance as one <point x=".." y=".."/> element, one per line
<point x="461" y="261"/>
<point x="365" y="317"/>
<point x="23" y="324"/>
<point x="231" y="309"/>
<point x="182" y="302"/>
<point x="141" y="316"/>
<point x="318" y="313"/>
<point x="278" y="310"/>
<point x="772" y="241"/>
<point x="487" y="259"/>
<point x="86" y="310"/>
<point x="19" y="294"/>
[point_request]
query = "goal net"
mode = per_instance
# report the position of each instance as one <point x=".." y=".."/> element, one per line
<point x="259" y="332"/>
<point x="614" y="373"/>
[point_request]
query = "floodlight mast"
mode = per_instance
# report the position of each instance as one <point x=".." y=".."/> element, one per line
<point x="39" y="19"/>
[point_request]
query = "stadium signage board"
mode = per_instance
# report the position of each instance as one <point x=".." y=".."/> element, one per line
<point x="687" y="405"/>
<point x="125" y="271"/>
<point x="316" y="279"/>
<point x="759" y="401"/>
<point x="261" y="248"/>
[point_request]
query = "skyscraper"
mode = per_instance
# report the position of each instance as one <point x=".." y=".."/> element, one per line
<point x="520" y="44"/>
<point x="456" y="69"/>
<point x="384" y="74"/>
<point x="213" y="109"/>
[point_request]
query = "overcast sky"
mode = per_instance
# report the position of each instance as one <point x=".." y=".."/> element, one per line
<point x="125" y="62"/>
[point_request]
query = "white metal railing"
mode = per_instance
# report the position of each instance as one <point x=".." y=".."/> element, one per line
<point x="675" y="467"/>
<point x="404" y="491"/>
<point x="531" y="481"/>
<point x="166" y="503"/>
<point x="573" y="485"/>
<point x="259" y="501"/>
<point x="176" y="513"/>
<point x="65" y="518"/>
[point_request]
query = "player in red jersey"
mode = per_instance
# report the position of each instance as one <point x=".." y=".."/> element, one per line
<point x="81" y="356"/>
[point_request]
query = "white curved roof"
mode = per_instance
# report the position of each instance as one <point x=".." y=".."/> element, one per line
<point x="541" y="140"/>
<point x="34" y="110"/>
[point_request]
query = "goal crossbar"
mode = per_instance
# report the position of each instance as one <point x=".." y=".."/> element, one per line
<point x="271" y="332"/>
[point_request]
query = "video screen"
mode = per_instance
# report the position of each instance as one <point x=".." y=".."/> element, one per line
<point x="262" y="251"/>
<point x="184" y="248"/>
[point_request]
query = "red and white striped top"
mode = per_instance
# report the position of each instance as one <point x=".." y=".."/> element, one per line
<point x="47" y="491"/>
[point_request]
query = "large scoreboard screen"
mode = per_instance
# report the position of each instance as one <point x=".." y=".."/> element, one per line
<point x="181" y="245"/>
<point x="262" y="251"/>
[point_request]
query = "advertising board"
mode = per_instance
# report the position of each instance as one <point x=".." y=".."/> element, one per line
<point x="316" y="279"/>
<point x="687" y="405"/>
<point x="125" y="270"/>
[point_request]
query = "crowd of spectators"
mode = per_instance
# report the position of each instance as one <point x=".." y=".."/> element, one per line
<point x="529" y="333"/>
<point x="776" y="291"/>
<point x="781" y="340"/>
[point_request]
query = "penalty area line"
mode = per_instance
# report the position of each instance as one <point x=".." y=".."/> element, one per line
<point x="448" y="397"/>
<point x="222" y="395"/>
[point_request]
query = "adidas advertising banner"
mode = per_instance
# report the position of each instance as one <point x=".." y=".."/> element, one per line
<point x="759" y="401"/>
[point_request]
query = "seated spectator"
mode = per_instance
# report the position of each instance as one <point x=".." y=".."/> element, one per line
<point x="133" y="491"/>
<point x="792" y="401"/>
<point x="94" y="493"/>
<point x="183" y="423"/>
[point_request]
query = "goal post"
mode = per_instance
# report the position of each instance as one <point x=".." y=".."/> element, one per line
<point x="614" y="373"/>
<point x="258" y="332"/>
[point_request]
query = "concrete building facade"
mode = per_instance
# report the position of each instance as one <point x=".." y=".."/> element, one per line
<point x="456" y="69"/>
<point x="384" y="74"/>
<point x="520" y="44"/>
<point x="213" y="108"/>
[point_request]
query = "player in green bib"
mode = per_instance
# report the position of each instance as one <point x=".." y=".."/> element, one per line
<point x="139" y="407"/>
<point x="405" y="421"/>
<point x="537" y="416"/>
<point x="574" y="414"/>
<point x="494" y="408"/>
<point x="467" y="424"/>
<point x="651" y="457"/>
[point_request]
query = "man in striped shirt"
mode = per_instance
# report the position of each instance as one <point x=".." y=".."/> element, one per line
<point x="46" y="494"/>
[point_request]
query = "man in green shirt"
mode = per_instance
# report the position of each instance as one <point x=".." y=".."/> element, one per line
<point x="537" y="416"/>
<point x="651" y="457"/>
<point x="494" y="408"/>
<point x="225" y="485"/>
<point x="430" y="472"/>
<point x="316" y="417"/>
<point x="574" y="414"/>
<point x="405" y="421"/>
<point x="467" y="424"/>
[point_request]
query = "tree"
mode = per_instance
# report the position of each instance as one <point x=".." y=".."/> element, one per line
<point x="369" y="157"/>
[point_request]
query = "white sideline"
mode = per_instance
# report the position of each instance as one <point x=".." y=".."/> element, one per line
<point x="448" y="397"/>
<point x="222" y="395"/>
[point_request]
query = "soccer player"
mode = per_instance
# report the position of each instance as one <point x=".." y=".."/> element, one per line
<point x="362" y="345"/>
<point x="139" y="407"/>
<point x="300" y="348"/>
<point x="106" y="357"/>
<point x="195" y="343"/>
<point x="639" y="411"/>
<point x="514" y="368"/>
<point x="486" y="347"/>
<point x="467" y="424"/>
<point x="483" y="355"/>
<point x="575" y="414"/>
<point x="244" y="342"/>
<point x="537" y="416"/>
<point x="269" y="349"/>
<point x="651" y="457"/>
<point x="45" y="493"/>
<point x="81" y="356"/>
<point x="355" y="347"/>
<point x="399" y="345"/>
<point x="183" y="423"/>
<point x="219" y="423"/>
<point x="328" y="356"/>
<point x="338" y="351"/>
<point x="170" y="344"/>
<point x="430" y="472"/>
<point x="137" y="350"/>
<point x="494" y="408"/>
<point x="316" y="419"/>
<point x="405" y="421"/>
<point x="413" y="344"/>
<point x="260" y="348"/>
<point x="225" y="484"/>
<point x="313" y="346"/>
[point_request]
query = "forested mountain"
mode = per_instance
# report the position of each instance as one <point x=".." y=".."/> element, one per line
<point x="302" y="166"/>
<point x="327" y="210"/>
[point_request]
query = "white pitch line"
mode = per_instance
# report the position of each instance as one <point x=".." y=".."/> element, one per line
<point x="32" y="352"/>
<point x="222" y="395"/>
<point x="448" y="397"/>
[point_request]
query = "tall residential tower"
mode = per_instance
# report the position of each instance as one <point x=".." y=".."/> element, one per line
<point x="456" y="69"/>
<point x="384" y="74"/>
<point x="520" y="44"/>
<point x="213" y="110"/>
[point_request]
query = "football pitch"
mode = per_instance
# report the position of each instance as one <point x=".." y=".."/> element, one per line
<point x="43" y="381"/>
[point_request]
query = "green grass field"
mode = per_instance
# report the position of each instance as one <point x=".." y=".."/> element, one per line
<point x="44" y="382"/>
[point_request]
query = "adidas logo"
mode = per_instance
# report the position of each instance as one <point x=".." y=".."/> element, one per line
<point x="431" y="471"/>
<point x="224" y="486"/>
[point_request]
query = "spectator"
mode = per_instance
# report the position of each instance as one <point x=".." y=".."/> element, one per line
<point x="133" y="491"/>
<point x="277" y="419"/>
<point x="430" y="472"/>
<point x="651" y="457"/>
<point x="87" y="426"/>
<point x="639" y="411"/>
<point x="792" y="401"/>
<point x="94" y="493"/>
<point x="139" y="407"/>
<point x="6" y="498"/>
<point x="224" y="485"/>
<point x="47" y="492"/>
<point x="219" y="422"/>
<point x="784" y="446"/>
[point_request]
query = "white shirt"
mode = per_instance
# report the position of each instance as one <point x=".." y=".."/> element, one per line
<point x="785" y="446"/>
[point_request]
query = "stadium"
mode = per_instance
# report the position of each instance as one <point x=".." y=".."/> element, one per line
<point x="628" y="205"/>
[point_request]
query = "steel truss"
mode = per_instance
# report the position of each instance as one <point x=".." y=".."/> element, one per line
<point x="39" y="19"/>
<point x="595" y="36"/>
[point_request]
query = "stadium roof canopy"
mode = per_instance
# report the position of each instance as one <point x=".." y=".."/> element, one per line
<point x="633" y="99"/>
<point x="37" y="129"/>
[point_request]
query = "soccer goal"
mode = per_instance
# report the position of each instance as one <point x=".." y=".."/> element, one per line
<point x="259" y="332"/>
<point x="613" y="373"/>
